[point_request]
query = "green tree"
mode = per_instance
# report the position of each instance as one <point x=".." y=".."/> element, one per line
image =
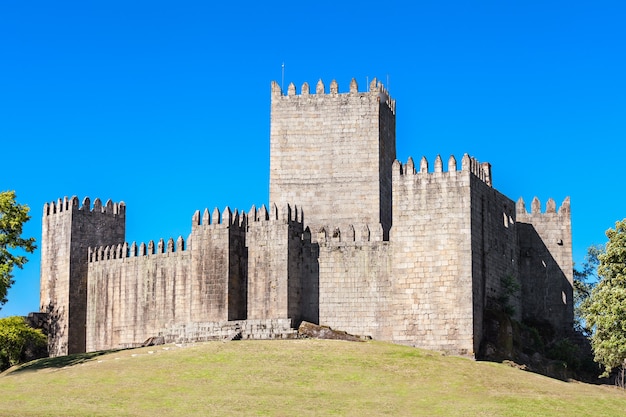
<point x="605" y="309"/>
<point x="12" y="219"/>
<point x="16" y="338"/>
<point x="585" y="279"/>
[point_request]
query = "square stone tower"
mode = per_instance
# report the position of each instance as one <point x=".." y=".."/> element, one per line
<point x="331" y="154"/>
<point x="68" y="231"/>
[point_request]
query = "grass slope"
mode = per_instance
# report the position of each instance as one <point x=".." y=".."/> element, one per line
<point x="288" y="378"/>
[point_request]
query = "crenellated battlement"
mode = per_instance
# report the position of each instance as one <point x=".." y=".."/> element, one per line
<point x="241" y="218"/>
<point x="65" y="204"/>
<point x="480" y="170"/>
<point x="347" y="234"/>
<point x="376" y="90"/>
<point x="286" y="214"/>
<point x="535" y="207"/>
<point x="120" y="251"/>
<point x="217" y="218"/>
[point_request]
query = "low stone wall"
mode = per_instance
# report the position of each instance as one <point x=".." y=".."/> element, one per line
<point x="230" y="330"/>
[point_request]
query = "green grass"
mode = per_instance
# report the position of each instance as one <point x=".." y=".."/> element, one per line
<point x="291" y="378"/>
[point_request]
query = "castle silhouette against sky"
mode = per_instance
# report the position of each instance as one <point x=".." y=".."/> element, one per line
<point x="352" y="239"/>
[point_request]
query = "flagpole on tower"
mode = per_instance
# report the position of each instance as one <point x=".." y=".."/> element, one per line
<point x="282" y="81"/>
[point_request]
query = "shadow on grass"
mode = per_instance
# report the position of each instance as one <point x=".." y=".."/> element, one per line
<point x="58" y="362"/>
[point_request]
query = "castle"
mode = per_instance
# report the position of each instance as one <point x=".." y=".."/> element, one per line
<point x="352" y="239"/>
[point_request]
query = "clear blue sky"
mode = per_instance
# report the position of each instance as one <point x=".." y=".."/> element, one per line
<point x="165" y="105"/>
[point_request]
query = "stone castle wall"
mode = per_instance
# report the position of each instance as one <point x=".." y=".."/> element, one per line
<point x="234" y="267"/>
<point x="545" y="240"/>
<point x="432" y="262"/>
<point x="353" y="239"/>
<point x="355" y="280"/>
<point x="495" y="254"/>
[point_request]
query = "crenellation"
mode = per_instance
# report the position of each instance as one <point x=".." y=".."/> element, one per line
<point x="438" y="164"/>
<point x="409" y="168"/>
<point x="319" y="88"/>
<point x="227" y="217"/>
<point x="354" y="87"/>
<point x="123" y="250"/>
<point x="550" y="209"/>
<point x="520" y="207"/>
<point x="423" y="165"/>
<point x="72" y="204"/>
<point x="334" y="88"/>
<point x="322" y="235"/>
<point x="565" y="207"/>
<point x="275" y="88"/>
<point x="535" y="206"/>
<point x="195" y="219"/>
<point x="452" y="164"/>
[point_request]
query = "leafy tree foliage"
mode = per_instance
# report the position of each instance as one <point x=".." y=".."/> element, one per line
<point x="585" y="279"/>
<point x="16" y="337"/>
<point x="12" y="218"/>
<point x="605" y="309"/>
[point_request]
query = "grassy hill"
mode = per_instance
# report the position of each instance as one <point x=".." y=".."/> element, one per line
<point x="291" y="378"/>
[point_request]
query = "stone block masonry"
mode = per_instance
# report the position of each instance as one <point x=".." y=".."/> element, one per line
<point x="332" y="153"/>
<point x="353" y="239"/>
<point x="68" y="230"/>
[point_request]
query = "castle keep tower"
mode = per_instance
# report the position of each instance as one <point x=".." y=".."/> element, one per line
<point x="67" y="233"/>
<point x="332" y="153"/>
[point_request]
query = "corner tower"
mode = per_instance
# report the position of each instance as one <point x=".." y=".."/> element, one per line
<point x="68" y="230"/>
<point x="331" y="154"/>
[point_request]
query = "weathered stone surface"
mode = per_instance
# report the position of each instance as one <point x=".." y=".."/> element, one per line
<point x="316" y="331"/>
<point x="154" y="341"/>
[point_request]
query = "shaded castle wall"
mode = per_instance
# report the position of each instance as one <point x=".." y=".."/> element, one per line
<point x="355" y="280"/>
<point x="432" y="257"/>
<point x="68" y="230"/>
<point x="274" y="244"/>
<point x="495" y="251"/>
<point x="546" y="264"/>
<point x="332" y="153"/>
<point x="135" y="293"/>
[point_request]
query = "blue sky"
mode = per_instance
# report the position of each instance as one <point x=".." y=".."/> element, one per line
<point x="165" y="105"/>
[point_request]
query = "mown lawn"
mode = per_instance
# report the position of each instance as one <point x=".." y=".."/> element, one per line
<point x="291" y="378"/>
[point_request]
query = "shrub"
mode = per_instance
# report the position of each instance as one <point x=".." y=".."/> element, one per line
<point x="16" y="338"/>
